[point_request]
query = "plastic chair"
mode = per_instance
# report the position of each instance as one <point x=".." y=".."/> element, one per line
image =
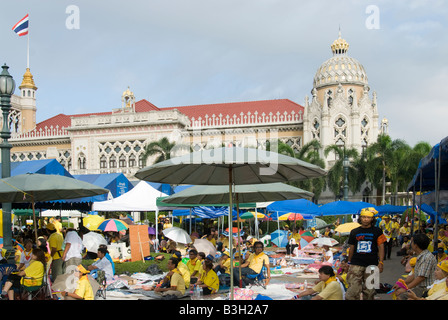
<point x="5" y="271"/>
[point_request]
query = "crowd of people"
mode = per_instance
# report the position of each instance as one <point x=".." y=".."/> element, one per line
<point x="54" y="251"/>
<point x="342" y="275"/>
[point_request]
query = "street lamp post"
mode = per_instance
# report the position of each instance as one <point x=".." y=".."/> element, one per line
<point x="7" y="86"/>
<point x="346" y="164"/>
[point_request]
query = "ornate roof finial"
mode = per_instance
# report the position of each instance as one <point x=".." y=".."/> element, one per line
<point x="339" y="46"/>
<point x="28" y="81"/>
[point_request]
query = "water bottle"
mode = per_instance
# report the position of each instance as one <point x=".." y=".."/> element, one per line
<point x="195" y="292"/>
<point x="305" y="285"/>
<point x="200" y="293"/>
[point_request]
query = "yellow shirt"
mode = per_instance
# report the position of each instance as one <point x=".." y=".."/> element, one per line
<point x="329" y="291"/>
<point x="84" y="289"/>
<point x="256" y="261"/>
<point x="35" y="271"/>
<point x="194" y="265"/>
<point x="226" y="265"/>
<point x="211" y="280"/>
<point x="296" y="237"/>
<point x="183" y="269"/>
<point x="56" y="240"/>
<point x="178" y="282"/>
<point x="441" y="286"/>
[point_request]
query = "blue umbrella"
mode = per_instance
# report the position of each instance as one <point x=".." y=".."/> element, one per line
<point x="279" y="238"/>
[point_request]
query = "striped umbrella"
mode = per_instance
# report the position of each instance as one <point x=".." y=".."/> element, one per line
<point x="115" y="225"/>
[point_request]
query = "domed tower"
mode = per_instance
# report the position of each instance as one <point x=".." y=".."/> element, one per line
<point x="340" y="111"/>
<point x="28" y="102"/>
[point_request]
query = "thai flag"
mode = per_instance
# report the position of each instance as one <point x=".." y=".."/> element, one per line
<point x="21" y="27"/>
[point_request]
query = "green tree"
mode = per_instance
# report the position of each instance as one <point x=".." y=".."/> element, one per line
<point x="162" y="149"/>
<point x="310" y="153"/>
<point x="335" y="177"/>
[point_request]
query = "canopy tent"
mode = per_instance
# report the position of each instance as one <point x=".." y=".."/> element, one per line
<point x="204" y="212"/>
<point x="163" y="187"/>
<point x="44" y="166"/>
<point x="141" y="198"/>
<point x="432" y="175"/>
<point x="116" y="183"/>
<point x="390" y="209"/>
<point x="305" y="207"/>
<point x="343" y="207"/>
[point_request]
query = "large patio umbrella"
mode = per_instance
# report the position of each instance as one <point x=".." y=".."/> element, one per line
<point x="35" y="187"/>
<point x="230" y="166"/>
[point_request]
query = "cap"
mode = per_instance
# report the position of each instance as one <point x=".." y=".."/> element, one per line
<point x="368" y="212"/>
<point x="443" y="265"/>
<point x="82" y="269"/>
<point x="50" y="226"/>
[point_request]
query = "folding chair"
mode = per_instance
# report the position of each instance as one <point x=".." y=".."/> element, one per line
<point x="258" y="279"/>
<point x="5" y="271"/>
<point x="101" y="279"/>
<point x="35" y="292"/>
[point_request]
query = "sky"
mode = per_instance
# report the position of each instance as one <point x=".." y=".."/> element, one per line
<point x="84" y="54"/>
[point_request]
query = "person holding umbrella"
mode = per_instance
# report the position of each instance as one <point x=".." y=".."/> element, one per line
<point x="366" y="248"/>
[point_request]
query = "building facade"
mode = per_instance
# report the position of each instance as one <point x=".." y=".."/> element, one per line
<point x="340" y="111"/>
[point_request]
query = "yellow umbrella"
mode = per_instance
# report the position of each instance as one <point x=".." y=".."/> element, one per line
<point x="347" y="227"/>
<point x="92" y="221"/>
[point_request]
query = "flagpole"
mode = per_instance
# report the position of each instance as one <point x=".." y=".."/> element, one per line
<point x="28" y="46"/>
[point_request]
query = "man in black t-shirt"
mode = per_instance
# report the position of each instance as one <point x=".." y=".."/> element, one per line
<point x="366" y="248"/>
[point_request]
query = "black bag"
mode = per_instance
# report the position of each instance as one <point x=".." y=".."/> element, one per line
<point x="154" y="269"/>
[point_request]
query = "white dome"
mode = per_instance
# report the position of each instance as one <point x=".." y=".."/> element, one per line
<point x="340" y="68"/>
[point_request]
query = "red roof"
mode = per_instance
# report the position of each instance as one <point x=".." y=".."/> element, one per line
<point x="231" y="108"/>
<point x="195" y="111"/>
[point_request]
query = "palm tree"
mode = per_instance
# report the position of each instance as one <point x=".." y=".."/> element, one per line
<point x="161" y="148"/>
<point x="335" y="177"/>
<point x="310" y="152"/>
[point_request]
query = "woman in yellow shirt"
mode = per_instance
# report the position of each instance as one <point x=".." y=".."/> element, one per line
<point x="32" y="276"/>
<point x="209" y="281"/>
<point x="83" y="289"/>
<point x="438" y="290"/>
<point x="327" y="289"/>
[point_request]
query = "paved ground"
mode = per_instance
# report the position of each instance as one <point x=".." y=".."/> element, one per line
<point x="393" y="270"/>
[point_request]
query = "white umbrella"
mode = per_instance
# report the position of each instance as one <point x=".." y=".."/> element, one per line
<point x="203" y="245"/>
<point x="324" y="242"/>
<point x="92" y="241"/>
<point x="177" y="234"/>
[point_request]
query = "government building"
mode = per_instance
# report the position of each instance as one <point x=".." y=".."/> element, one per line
<point x="341" y="110"/>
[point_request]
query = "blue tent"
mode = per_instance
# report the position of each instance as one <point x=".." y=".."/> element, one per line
<point x="432" y="214"/>
<point x="204" y="212"/>
<point x="305" y="207"/>
<point x="44" y="166"/>
<point x="425" y="178"/>
<point x="343" y="208"/>
<point x="390" y="209"/>
<point x="116" y="183"/>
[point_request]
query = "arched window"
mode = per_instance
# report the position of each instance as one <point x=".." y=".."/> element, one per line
<point x="82" y="161"/>
<point x="103" y="162"/>
<point x="112" y="162"/>
<point x="122" y="161"/>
